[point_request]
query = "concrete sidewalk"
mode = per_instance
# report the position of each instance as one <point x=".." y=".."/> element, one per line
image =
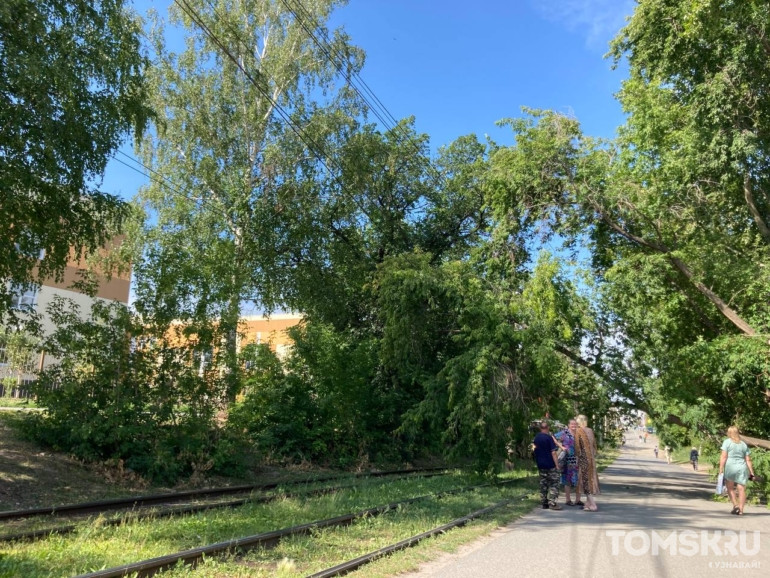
<point x="645" y="505"/>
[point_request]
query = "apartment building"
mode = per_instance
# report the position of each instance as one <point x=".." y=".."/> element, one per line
<point x="38" y="297"/>
<point x="271" y="331"/>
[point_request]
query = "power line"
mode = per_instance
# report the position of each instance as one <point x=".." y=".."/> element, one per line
<point x="328" y="49"/>
<point x="159" y="180"/>
<point x="167" y="182"/>
<point x="195" y="17"/>
<point x="317" y="150"/>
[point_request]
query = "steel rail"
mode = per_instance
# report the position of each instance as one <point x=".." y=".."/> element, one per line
<point x="68" y="529"/>
<point x="354" y="564"/>
<point x="265" y="540"/>
<point x="154" y="499"/>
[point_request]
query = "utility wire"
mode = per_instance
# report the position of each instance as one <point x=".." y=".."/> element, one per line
<point x="327" y="49"/>
<point x="159" y="180"/>
<point x="317" y="150"/>
<point x="167" y="182"/>
<point x="330" y="52"/>
<point x="195" y="17"/>
<point x="379" y="109"/>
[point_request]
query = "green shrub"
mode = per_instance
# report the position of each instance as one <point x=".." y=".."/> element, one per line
<point x="118" y="393"/>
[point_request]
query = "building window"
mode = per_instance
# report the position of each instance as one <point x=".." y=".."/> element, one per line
<point x="23" y="297"/>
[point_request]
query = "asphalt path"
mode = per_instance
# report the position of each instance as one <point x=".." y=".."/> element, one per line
<point x="654" y="519"/>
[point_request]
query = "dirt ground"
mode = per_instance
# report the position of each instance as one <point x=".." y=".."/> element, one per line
<point x="31" y="477"/>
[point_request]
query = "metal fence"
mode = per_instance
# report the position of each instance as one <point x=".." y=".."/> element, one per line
<point x="19" y="390"/>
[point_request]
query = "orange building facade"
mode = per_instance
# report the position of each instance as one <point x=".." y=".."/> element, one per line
<point x="271" y="331"/>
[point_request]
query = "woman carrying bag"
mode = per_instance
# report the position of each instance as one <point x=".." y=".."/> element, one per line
<point x="737" y="468"/>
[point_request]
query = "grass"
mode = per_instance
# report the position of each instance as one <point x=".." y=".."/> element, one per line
<point x="97" y="547"/>
<point x="21" y="402"/>
<point x="606" y="457"/>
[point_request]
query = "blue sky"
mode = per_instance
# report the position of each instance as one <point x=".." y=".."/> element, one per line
<point x="459" y="66"/>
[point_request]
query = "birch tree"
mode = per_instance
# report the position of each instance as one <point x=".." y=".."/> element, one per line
<point x="245" y="111"/>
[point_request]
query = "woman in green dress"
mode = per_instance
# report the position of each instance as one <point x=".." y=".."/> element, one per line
<point x="736" y="465"/>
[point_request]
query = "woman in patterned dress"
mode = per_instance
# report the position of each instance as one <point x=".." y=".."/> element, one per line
<point x="585" y="450"/>
<point x="569" y="474"/>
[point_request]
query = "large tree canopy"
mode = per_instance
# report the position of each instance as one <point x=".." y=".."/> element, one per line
<point x="674" y="211"/>
<point x="71" y="88"/>
<point x="242" y="123"/>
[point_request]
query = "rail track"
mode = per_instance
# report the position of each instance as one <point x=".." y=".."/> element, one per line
<point x="102" y="506"/>
<point x="355" y="563"/>
<point x="193" y="556"/>
<point x="185" y="510"/>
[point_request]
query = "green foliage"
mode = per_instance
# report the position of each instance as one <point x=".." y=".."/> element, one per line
<point x="119" y="393"/>
<point x="760" y="459"/>
<point x="445" y="306"/>
<point x="234" y="171"/>
<point x="72" y="88"/>
<point x="19" y="348"/>
<point x="479" y="358"/>
<point x="318" y="404"/>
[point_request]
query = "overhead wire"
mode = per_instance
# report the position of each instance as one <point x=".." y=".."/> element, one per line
<point x="378" y="107"/>
<point x="318" y="151"/>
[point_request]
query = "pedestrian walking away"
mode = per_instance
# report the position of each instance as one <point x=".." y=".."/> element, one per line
<point x="656" y="451"/>
<point x="735" y="464"/>
<point x="694" y="458"/>
<point x="546" y="458"/>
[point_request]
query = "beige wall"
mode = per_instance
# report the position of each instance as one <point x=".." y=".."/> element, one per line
<point x="272" y="330"/>
<point x="45" y="296"/>
<point x="115" y="289"/>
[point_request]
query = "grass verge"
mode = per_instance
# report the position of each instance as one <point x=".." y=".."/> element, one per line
<point x="95" y="546"/>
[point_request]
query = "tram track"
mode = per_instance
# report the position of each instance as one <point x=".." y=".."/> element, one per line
<point x="356" y="563"/>
<point x="193" y="556"/>
<point x="193" y="509"/>
<point x="102" y="506"/>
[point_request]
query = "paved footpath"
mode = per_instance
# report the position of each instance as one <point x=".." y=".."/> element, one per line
<point x="646" y="504"/>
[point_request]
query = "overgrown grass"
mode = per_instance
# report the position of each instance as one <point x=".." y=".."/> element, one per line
<point x="6" y="401"/>
<point x="96" y="547"/>
<point x="606" y="457"/>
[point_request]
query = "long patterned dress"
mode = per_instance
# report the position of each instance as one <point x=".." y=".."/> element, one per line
<point x="588" y="479"/>
<point x="569" y="475"/>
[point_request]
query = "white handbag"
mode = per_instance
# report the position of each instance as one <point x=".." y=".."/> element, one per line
<point x="720" y="485"/>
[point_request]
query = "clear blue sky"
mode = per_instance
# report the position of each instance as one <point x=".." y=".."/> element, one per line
<point x="459" y="66"/>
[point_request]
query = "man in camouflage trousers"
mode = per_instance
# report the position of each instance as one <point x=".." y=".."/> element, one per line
<point x="546" y="457"/>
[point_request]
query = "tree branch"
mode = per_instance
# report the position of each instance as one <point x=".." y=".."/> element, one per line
<point x="749" y="196"/>
<point x="680" y="266"/>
